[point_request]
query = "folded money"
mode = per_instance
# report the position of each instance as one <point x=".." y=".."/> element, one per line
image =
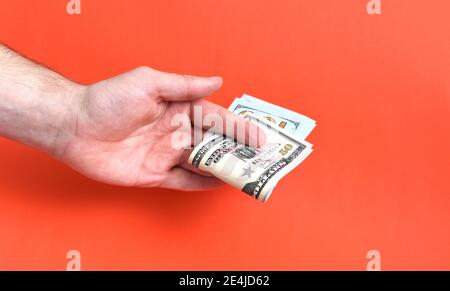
<point x="256" y="171"/>
<point x="299" y="125"/>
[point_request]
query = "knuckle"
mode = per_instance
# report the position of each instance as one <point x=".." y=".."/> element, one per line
<point x="188" y="80"/>
<point x="143" y="70"/>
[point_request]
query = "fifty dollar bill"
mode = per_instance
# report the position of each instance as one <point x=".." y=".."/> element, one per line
<point x="256" y="171"/>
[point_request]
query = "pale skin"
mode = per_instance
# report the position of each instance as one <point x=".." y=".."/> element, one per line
<point x="116" y="131"/>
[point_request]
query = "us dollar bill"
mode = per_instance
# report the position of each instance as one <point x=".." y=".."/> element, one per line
<point x="255" y="171"/>
<point x="288" y="121"/>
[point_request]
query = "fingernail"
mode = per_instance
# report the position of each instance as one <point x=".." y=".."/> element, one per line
<point x="216" y="79"/>
<point x="261" y="138"/>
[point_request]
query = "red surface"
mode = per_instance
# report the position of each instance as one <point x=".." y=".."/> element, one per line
<point x="378" y="86"/>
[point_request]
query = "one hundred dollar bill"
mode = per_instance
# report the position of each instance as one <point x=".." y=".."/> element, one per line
<point x="255" y="171"/>
<point x="288" y="121"/>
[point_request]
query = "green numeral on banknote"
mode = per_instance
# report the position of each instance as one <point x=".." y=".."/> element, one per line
<point x="285" y="150"/>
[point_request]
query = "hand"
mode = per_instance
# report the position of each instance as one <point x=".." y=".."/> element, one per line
<point x="122" y="129"/>
<point x="117" y="131"/>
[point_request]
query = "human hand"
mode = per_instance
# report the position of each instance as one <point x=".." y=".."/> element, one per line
<point x="122" y="129"/>
<point x="117" y="131"/>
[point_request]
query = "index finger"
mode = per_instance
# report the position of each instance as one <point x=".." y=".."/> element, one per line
<point x="215" y="118"/>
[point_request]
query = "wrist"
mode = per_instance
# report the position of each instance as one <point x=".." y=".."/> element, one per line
<point x="66" y="100"/>
<point x="40" y="110"/>
<point x="38" y="107"/>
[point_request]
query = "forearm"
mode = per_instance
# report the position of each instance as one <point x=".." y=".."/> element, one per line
<point x="37" y="106"/>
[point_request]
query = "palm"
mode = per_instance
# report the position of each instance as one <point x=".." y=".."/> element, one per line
<point x="141" y="154"/>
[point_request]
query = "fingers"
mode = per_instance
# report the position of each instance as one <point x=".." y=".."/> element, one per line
<point x="213" y="117"/>
<point x="174" y="87"/>
<point x="181" y="179"/>
<point x="195" y="170"/>
<point x="183" y="163"/>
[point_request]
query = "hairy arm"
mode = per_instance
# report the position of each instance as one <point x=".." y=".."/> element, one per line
<point x="37" y="106"/>
<point x="117" y="131"/>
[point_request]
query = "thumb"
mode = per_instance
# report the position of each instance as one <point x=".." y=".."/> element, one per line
<point x="175" y="87"/>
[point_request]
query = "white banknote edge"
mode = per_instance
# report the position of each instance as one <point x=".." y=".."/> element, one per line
<point x="283" y="111"/>
<point x="306" y="124"/>
<point x="281" y="131"/>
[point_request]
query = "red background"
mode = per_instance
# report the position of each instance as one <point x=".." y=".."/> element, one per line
<point x="378" y="86"/>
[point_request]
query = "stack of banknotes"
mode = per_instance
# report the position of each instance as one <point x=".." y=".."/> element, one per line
<point x="256" y="171"/>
